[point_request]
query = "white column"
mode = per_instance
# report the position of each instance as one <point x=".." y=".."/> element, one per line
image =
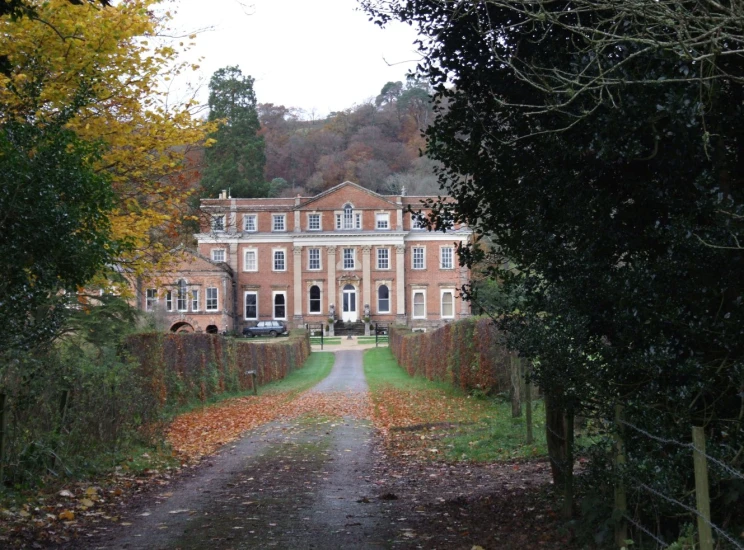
<point x="400" y="282"/>
<point x="366" y="276"/>
<point x="331" y="292"/>
<point x="297" y="272"/>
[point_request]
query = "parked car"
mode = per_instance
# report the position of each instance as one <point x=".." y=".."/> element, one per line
<point x="266" y="328"/>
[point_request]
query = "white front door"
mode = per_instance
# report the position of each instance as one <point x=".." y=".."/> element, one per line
<point x="349" y="304"/>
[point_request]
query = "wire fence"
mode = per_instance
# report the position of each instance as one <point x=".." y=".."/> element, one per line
<point x="724" y="536"/>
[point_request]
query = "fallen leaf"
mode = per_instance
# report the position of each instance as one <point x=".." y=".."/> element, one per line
<point x="67" y="515"/>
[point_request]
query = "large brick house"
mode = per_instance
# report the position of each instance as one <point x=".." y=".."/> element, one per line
<point x="347" y="252"/>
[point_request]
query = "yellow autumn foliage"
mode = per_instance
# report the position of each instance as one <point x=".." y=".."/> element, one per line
<point x="118" y="55"/>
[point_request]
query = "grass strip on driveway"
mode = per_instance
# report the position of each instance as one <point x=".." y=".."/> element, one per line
<point x="432" y="419"/>
<point x="201" y="432"/>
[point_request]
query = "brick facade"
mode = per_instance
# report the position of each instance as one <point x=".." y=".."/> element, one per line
<point x="301" y="259"/>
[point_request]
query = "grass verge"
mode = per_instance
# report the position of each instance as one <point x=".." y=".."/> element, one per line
<point x="317" y="367"/>
<point x="437" y="420"/>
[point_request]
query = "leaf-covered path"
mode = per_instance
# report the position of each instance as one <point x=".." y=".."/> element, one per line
<point x="313" y="472"/>
<point x="304" y="480"/>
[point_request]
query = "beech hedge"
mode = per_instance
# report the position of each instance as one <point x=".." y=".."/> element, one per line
<point x="183" y="367"/>
<point x="468" y="354"/>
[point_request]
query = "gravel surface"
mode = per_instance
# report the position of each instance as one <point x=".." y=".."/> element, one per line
<point x="321" y="480"/>
<point x="303" y="483"/>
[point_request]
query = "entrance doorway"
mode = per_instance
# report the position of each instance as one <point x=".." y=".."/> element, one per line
<point x="349" y="304"/>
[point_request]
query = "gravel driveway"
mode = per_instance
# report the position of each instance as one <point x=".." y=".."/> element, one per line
<point x="307" y="482"/>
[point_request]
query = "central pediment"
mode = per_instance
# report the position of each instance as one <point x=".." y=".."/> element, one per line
<point x="349" y="192"/>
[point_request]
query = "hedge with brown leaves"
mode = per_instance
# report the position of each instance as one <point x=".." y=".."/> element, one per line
<point x="183" y="367"/>
<point x="468" y="354"/>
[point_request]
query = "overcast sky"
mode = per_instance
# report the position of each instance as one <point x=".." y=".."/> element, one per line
<point x="322" y="55"/>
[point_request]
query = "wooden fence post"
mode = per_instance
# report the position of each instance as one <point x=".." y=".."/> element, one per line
<point x="528" y="409"/>
<point x="621" y="504"/>
<point x="702" y="498"/>
<point x="3" y="430"/>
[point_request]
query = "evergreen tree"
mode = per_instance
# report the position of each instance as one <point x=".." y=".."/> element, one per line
<point x="236" y="160"/>
<point x="600" y="146"/>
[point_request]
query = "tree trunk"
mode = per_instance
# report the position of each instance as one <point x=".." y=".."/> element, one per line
<point x="516" y="383"/>
<point x="568" y="491"/>
<point x="528" y="411"/>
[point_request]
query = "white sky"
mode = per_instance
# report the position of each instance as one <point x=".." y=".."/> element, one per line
<point x="311" y="54"/>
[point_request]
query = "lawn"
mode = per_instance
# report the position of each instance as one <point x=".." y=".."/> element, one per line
<point x="434" y="419"/>
<point x="382" y="339"/>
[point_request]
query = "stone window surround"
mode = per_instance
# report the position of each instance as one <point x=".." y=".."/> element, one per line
<point x="245" y="259"/>
<point x="352" y="258"/>
<point x="274" y="294"/>
<point x="311" y="284"/>
<point x="255" y="222"/>
<point x="320" y="221"/>
<point x="274" y="218"/>
<point x="213" y="255"/>
<point x="151" y="299"/>
<point x="274" y="258"/>
<point x="414" y="292"/>
<point x="216" y="298"/>
<point x="442" y="248"/>
<point x="442" y="292"/>
<point x="413" y="257"/>
<point x="389" y="285"/>
<point x="245" y="299"/>
<point x="383" y="215"/>
<point x="320" y="259"/>
<point x="387" y="258"/>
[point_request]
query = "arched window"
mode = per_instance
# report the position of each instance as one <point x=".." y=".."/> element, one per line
<point x="348" y="217"/>
<point x="251" y="305"/>
<point x="419" y="304"/>
<point x="280" y="306"/>
<point x="383" y="299"/>
<point x="314" y="299"/>
<point x="448" y="303"/>
<point x="181" y="304"/>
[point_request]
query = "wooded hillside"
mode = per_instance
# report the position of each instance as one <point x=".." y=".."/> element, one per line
<point x="376" y="144"/>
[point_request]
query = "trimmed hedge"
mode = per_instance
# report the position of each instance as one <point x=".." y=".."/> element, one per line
<point x="183" y="367"/>
<point x="467" y="354"/>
